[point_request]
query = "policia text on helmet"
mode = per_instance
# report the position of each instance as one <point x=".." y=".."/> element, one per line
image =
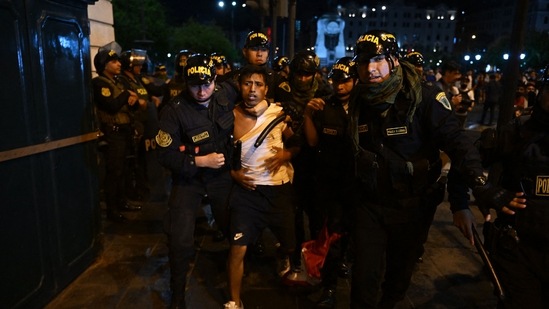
<point x="377" y="44"/>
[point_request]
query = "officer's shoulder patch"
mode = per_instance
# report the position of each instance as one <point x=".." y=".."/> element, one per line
<point x="441" y="97"/>
<point x="285" y="86"/>
<point x="106" y="92"/>
<point x="145" y="80"/>
<point x="163" y="139"/>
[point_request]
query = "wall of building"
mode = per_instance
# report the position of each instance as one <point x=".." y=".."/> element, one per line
<point x="101" y="26"/>
<point x="414" y="27"/>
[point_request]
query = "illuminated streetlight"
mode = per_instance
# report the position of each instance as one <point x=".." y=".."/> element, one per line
<point x="466" y="57"/>
<point x="477" y="57"/>
<point x="221" y="4"/>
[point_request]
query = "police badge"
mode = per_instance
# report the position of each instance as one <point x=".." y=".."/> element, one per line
<point x="106" y="92"/>
<point x="163" y="139"/>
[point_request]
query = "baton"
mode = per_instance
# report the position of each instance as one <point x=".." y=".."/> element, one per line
<point x="488" y="263"/>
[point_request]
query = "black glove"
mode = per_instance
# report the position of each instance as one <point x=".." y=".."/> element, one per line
<point x="489" y="196"/>
<point x="294" y="110"/>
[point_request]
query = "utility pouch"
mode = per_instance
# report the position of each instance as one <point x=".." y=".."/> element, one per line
<point x="500" y="238"/>
<point x="508" y="238"/>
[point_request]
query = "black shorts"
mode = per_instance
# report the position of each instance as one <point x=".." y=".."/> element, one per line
<point x="266" y="206"/>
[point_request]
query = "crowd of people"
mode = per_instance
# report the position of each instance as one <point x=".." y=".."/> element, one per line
<point x="360" y="152"/>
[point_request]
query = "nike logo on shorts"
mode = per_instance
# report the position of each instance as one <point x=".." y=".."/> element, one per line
<point x="237" y="236"/>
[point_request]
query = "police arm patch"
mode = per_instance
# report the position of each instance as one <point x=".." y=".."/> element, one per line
<point x="106" y="92"/>
<point x="285" y="86"/>
<point x="163" y="139"/>
<point x="441" y="97"/>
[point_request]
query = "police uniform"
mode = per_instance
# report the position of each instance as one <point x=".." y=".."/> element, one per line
<point x="177" y="84"/>
<point x="188" y="129"/>
<point x="172" y="89"/>
<point x="335" y="182"/>
<point x="397" y="153"/>
<point x="294" y="101"/>
<point x="146" y="127"/>
<point x="116" y="119"/>
<point x="519" y="244"/>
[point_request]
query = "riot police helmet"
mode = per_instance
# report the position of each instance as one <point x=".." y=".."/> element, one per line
<point x="102" y="58"/>
<point x="343" y="69"/>
<point x="181" y="60"/>
<point x="131" y="58"/>
<point x="415" y="58"/>
<point x="280" y="62"/>
<point x="219" y="59"/>
<point x="375" y="43"/>
<point x="304" y="63"/>
<point x="200" y="69"/>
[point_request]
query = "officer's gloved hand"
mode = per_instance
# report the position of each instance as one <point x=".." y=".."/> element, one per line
<point x="464" y="221"/>
<point x="293" y="110"/>
<point x="489" y="196"/>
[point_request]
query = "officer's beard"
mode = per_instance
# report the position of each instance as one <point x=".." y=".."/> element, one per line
<point x="381" y="93"/>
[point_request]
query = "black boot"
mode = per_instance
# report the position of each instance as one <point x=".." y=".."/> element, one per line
<point x="179" y="266"/>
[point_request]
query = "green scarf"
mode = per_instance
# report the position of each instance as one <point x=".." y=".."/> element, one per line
<point x="405" y="79"/>
<point x="304" y="96"/>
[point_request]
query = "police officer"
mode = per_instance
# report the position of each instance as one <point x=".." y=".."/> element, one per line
<point x="325" y="125"/>
<point x="176" y="84"/>
<point x="439" y="188"/>
<point x="304" y="81"/>
<point x="222" y="66"/>
<point x="115" y="108"/>
<point x="146" y="122"/>
<point x="194" y="143"/>
<point x="416" y="59"/>
<point x="398" y="125"/>
<point x="303" y="86"/>
<point x="281" y="65"/>
<point x="194" y="140"/>
<point x="256" y="52"/>
<point x="519" y="239"/>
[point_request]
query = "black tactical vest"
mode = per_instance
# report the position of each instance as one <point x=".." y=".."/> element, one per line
<point x="532" y="172"/>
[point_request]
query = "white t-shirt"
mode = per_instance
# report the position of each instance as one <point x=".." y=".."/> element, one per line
<point x="254" y="158"/>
